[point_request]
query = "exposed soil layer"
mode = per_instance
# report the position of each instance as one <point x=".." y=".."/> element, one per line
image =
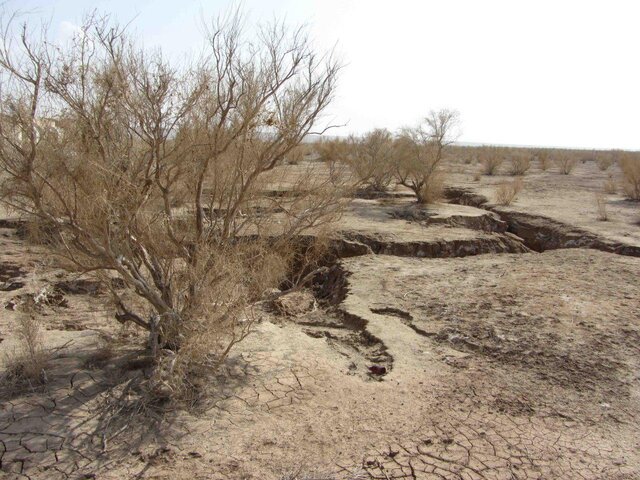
<point x="541" y="233"/>
<point x="386" y="245"/>
<point x="401" y="228"/>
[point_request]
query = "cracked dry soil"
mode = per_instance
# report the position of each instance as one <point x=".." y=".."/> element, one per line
<point x="518" y="365"/>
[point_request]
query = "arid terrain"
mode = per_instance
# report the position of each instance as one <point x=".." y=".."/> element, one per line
<point x="458" y="340"/>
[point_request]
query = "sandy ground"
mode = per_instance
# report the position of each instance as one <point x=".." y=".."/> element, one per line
<point x="488" y="362"/>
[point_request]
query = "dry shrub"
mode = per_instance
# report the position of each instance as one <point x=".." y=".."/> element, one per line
<point x="157" y="173"/>
<point x="477" y="176"/>
<point x="491" y="159"/>
<point x="371" y="159"/>
<point x="419" y="152"/>
<point x="543" y="159"/>
<point x="506" y="192"/>
<point x="332" y="149"/>
<point x="296" y="155"/>
<point x="601" y="205"/>
<point x="605" y="160"/>
<point x="520" y="163"/>
<point x="565" y="162"/>
<point x="227" y="313"/>
<point x="307" y="150"/>
<point x="609" y="186"/>
<point x="630" y="166"/>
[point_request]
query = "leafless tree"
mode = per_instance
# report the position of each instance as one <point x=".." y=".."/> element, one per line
<point x="159" y="174"/>
<point x="420" y="151"/>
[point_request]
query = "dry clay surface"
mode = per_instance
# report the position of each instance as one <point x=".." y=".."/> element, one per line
<point x="536" y="358"/>
<point x="493" y="366"/>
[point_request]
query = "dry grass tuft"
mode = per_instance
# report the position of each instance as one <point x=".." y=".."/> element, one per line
<point x="27" y="365"/>
<point x="601" y="205"/>
<point x="296" y="155"/>
<point x="507" y="192"/>
<point x="610" y="186"/>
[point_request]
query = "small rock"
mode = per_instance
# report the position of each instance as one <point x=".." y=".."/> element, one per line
<point x="295" y="303"/>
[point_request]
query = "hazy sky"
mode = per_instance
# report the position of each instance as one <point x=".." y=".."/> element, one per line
<point x="554" y="73"/>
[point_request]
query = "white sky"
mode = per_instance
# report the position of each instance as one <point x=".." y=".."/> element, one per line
<point x="552" y="73"/>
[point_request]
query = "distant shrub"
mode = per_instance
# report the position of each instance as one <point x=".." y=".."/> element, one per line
<point x="371" y="159"/>
<point x="630" y="167"/>
<point x="296" y="155"/>
<point x="507" y="192"/>
<point x="565" y="162"/>
<point x="491" y="159"/>
<point x="520" y="163"/>
<point x="332" y="150"/>
<point x="543" y="159"/>
<point x="604" y="160"/>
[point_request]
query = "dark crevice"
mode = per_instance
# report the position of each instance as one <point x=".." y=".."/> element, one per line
<point x="396" y="312"/>
<point x="540" y="233"/>
<point x="405" y="317"/>
<point x="345" y="330"/>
